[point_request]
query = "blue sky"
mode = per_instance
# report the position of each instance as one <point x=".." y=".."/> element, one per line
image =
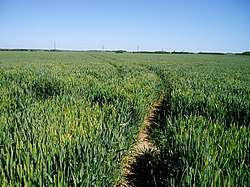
<point x="180" y="25"/>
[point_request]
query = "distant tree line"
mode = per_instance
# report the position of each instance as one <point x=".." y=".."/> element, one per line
<point x="147" y="52"/>
<point x="14" y="50"/>
<point x="207" y="53"/>
<point x="124" y="51"/>
<point x="164" y="52"/>
<point x="48" y="50"/>
<point x="182" y="52"/>
<point x="120" y="51"/>
<point x="244" y="53"/>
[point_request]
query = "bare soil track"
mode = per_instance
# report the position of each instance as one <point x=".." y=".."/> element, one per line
<point x="143" y="146"/>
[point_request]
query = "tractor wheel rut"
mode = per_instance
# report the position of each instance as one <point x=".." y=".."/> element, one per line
<point x="143" y="145"/>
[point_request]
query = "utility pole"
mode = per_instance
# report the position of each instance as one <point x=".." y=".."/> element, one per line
<point x="102" y="47"/>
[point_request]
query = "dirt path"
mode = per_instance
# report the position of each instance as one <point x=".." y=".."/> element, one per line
<point x="144" y="142"/>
